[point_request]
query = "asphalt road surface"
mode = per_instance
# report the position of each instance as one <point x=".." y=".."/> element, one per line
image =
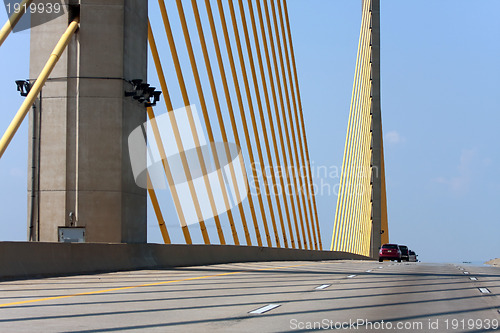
<point x="261" y="297"/>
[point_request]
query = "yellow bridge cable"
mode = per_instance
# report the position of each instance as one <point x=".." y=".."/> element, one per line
<point x="290" y="175"/>
<point x="302" y="138"/>
<point x="159" y="142"/>
<point x="233" y="125"/>
<point x="182" y="85"/>
<point x="344" y="227"/>
<point x="271" y="124"/>
<point x="159" y="215"/>
<point x="346" y="167"/>
<point x="220" y="118"/>
<point x="253" y="121"/>
<point x="261" y="115"/>
<point x="13" y="20"/>
<point x="284" y="87"/>
<point x="168" y="174"/>
<point x="362" y="161"/>
<point x="279" y="123"/>
<point x="298" y="166"/>
<point x="37" y="86"/>
<point x="244" y="122"/>
<point x="356" y="187"/>
<point x="209" y="131"/>
<point x="364" y="204"/>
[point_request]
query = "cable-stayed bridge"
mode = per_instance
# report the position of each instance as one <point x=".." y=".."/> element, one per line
<point x="224" y="131"/>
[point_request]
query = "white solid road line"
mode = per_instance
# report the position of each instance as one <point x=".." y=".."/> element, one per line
<point x="473" y="278"/>
<point x="485" y="290"/>
<point x="266" y="308"/>
<point x="323" y="286"/>
<point x="351" y="276"/>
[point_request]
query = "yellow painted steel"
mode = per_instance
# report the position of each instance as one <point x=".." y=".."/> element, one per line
<point x="278" y="122"/>
<point x="352" y="226"/>
<point x="233" y="124"/>
<point x="159" y="215"/>
<point x="271" y="123"/>
<point x="244" y="122"/>
<point x="166" y="167"/>
<point x="363" y="208"/>
<point x="156" y="132"/>
<point x="220" y="119"/>
<point x="311" y="189"/>
<point x="361" y="163"/>
<point x="209" y="130"/>
<point x="290" y="165"/>
<point x="353" y="167"/>
<point x="262" y="120"/>
<point x="304" y="166"/>
<point x="338" y="229"/>
<point x="362" y="179"/>
<point x="312" y="238"/>
<point x="37" y="86"/>
<point x="253" y="121"/>
<point x="182" y="85"/>
<point x="13" y="20"/>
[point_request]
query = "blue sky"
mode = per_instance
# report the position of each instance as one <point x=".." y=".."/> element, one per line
<point x="440" y="111"/>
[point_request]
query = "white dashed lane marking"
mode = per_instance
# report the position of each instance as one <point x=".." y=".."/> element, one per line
<point x="323" y="286"/>
<point x="264" y="309"/>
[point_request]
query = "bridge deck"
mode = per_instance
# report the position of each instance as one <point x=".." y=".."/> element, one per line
<point x="221" y="297"/>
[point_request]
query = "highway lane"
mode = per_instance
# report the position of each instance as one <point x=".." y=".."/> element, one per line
<point x="298" y="296"/>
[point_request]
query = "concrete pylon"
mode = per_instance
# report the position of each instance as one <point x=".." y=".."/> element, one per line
<point x="379" y="206"/>
<point x="82" y="187"/>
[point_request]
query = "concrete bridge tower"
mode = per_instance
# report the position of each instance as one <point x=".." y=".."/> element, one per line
<point x="82" y="187"/>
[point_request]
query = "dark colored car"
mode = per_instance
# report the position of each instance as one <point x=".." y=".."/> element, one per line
<point x="412" y="256"/>
<point x="404" y="252"/>
<point x="389" y="252"/>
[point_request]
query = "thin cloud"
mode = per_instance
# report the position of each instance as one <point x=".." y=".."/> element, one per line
<point x="460" y="183"/>
<point x="393" y="137"/>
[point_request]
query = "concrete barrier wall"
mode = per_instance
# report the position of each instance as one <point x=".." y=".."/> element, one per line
<point x="30" y="259"/>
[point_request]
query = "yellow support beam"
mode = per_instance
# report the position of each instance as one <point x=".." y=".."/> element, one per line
<point x="39" y="83"/>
